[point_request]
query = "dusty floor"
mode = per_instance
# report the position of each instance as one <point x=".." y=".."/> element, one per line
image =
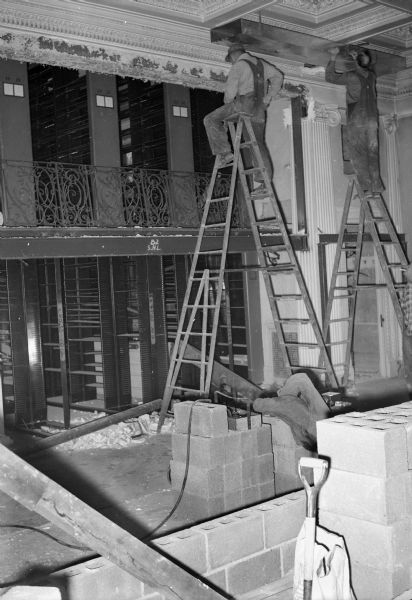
<point x="129" y="485"/>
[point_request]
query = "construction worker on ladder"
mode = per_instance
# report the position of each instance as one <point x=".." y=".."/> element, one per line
<point x="353" y="67"/>
<point x="250" y="86"/>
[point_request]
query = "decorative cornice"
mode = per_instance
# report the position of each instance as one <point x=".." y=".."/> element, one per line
<point x="314" y="7"/>
<point x="360" y="23"/>
<point x="143" y="34"/>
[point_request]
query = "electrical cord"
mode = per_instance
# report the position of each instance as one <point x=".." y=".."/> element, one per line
<point x="49" y="535"/>
<point x="182" y="489"/>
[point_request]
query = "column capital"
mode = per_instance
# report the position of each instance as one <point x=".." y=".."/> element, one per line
<point x="325" y="113"/>
<point x="390" y="123"/>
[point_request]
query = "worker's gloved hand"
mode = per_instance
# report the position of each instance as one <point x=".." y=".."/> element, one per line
<point x="267" y="98"/>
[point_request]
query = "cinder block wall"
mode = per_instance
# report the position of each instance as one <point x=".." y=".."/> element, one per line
<point x="230" y="465"/>
<point x="368" y="496"/>
<point x="236" y="553"/>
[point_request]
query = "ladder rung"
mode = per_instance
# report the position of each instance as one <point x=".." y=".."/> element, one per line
<point x="187" y="389"/>
<point x="294" y="320"/>
<point x="339" y="320"/>
<point x="288" y="297"/>
<point x="195" y="333"/>
<point x="213" y="278"/>
<point x="222" y="199"/>
<point x="192" y="361"/>
<point x="201" y="305"/>
<point x="339" y="343"/>
<point x="371" y="286"/>
<point x="212" y="225"/>
<point x="280" y="269"/>
<point x="320" y="369"/>
<point x="253" y="170"/>
<point x="248" y="143"/>
<point x="303" y="344"/>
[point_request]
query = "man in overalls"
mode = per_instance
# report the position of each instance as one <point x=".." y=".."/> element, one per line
<point x="250" y="86"/>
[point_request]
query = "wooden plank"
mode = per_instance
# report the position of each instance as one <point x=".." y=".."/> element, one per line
<point x="95" y="425"/>
<point x="38" y="493"/>
<point x="293" y="45"/>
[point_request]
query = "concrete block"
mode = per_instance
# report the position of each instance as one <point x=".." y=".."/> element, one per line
<point x="92" y="581"/>
<point x="233" y="501"/>
<point x="283" y="518"/>
<point x="218" y="579"/>
<point x="364" y="497"/>
<point x="198" y="508"/>
<point x="248" y="443"/>
<point x="26" y="592"/>
<point x="241" y="423"/>
<point x="264" y="439"/>
<point x="205" y="452"/>
<point x="267" y="490"/>
<point x="286" y="459"/>
<point x="232" y="477"/>
<point x="201" y="482"/>
<point x="377" y="583"/>
<point x="408" y="430"/>
<point x="285" y="483"/>
<point x="249" y="472"/>
<point x="254" y="572"/>
<point x="265" y="468"/>
<point x="378" y="450"/>
<point x="287" y="556"/>
<point x="233" y="447"/>
<point x="233" y="538"/>
<point x="208" y="420"/>
<point x="250" y="495"/>
<point x="281" y="432"/>
<point x="187" y="547"/>
<point x="373" y="544"/>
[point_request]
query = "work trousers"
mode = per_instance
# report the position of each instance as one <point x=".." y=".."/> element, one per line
<point x="216" y="131"/>
<point x="361" y="146"/>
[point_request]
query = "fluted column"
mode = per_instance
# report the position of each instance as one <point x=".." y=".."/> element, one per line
<point x="389" y="332"/>
<point x="321" y="217"/>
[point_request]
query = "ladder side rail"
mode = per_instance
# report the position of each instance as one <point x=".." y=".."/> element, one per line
<point x="236" y="140"/>
<point x="298" y="272"/>
<point x="371" y="228"/>
<point x="393" y="234"/>
<point x="179" y="349"/>
<point x="203" y="348"/>
<point x="292" y="257"/>
<point x="262" y="259"/>
<point x="354" y="296"/>
<point x="338" y="258"/>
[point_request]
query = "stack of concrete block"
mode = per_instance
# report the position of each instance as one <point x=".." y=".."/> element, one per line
<point x="237" y="554"/>
<point x="228" y="469"/>
<point x="368" y="496"/>
<point x="286" y="454"/>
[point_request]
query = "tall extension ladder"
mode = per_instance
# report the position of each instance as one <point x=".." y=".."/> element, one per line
<point x="375" y="220"/>
<point x="271" y="262"/>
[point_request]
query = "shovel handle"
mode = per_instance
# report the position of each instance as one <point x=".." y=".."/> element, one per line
<point x="320" y="468"/>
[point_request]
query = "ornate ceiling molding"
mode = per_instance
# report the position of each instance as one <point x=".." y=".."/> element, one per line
<point x="314" y="7"/>
<point x="360" y="23"/>
<point x="146" y="34"/>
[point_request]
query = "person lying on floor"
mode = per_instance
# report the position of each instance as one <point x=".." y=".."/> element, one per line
<point x="299" y="404"/>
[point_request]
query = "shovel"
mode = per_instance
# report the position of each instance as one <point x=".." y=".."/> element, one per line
<point x="319" y="468"/>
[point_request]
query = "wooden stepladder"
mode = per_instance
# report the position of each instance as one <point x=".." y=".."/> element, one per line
<point x="370" y="220"/>
<point x="275" y="260"/>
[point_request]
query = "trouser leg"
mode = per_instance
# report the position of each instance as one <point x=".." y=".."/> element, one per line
<point x="216" y="130"/>
<point x="259" y="131"/>
<point x="299" y="383"/>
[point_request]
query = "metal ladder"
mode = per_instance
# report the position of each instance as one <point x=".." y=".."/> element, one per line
<point x="274" y="260"/>
<point x="374" y="219"/>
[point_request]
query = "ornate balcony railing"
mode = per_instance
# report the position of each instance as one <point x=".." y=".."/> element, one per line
<point x="64" y="195"/>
